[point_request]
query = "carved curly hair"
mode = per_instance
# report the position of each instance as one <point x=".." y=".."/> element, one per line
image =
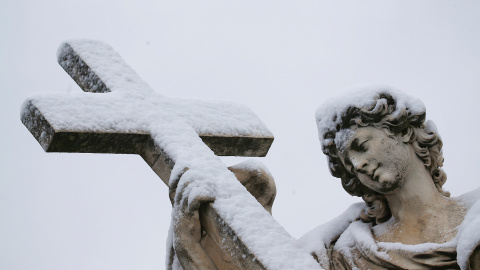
<point x="383" y="113"/>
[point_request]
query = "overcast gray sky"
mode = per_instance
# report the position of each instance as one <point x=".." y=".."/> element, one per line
<point x="280" y="58"/>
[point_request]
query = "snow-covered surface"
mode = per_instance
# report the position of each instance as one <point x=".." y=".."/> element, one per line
<point x="121" y="112"/>
<point x="319" y="238"/>
<point x="357" y="233"/>
<point x="170" y="123"/>
<point x="132" y="106"/>
<point x="468" y="237"/>
<point x="109" y="66"/>
<point x="328" y="114"/>
<point x="253" y="166"/>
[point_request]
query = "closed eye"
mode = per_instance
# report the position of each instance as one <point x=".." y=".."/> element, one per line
<point x="359" y="147"/>
<point x="363" y="146"/>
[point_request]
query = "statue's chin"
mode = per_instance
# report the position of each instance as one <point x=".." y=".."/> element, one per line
<point x="388" y="186"/>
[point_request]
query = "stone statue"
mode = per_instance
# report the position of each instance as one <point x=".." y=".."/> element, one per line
<point x="378" y="143"/>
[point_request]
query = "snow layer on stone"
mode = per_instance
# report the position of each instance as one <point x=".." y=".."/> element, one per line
<point x="328" y="115"/>
<point x="252" y="165"/>
<point x="109" y="65"/>
<point x="468" y="236"/>
<point x="431" y="127"/>
<point x="316" y="241"/>
<point x="174" y="124"/>
<point x="358" y="234"/>
<point x="122" y="112"/>
<point x="132" y="106"/>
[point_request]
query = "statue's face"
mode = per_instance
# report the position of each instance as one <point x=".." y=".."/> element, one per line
<point x="378" y="160"/>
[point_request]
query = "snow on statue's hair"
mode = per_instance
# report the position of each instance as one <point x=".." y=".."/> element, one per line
<point x="384" y="108"/>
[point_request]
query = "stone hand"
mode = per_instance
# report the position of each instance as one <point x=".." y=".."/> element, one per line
<point x="187" y="228"/>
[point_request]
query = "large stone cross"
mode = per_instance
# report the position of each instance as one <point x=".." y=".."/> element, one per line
<point x="120" y="113"/>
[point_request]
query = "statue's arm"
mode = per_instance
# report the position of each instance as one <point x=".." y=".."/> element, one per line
<point x="188" y="233"/>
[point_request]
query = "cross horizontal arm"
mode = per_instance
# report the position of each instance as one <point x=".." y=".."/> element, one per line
<point x="71" y="135"/>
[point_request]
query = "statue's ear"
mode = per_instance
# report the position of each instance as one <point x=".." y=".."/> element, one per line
<point x="407" y="134"/>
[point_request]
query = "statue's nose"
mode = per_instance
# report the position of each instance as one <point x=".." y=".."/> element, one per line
<point x="361" y="165"/>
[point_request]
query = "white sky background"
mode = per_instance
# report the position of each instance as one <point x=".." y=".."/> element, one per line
<point x="280" y="58"/>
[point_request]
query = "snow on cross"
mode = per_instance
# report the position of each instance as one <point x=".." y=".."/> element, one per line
<point x="121" y="114"/>
<point x="122" y="121"/>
